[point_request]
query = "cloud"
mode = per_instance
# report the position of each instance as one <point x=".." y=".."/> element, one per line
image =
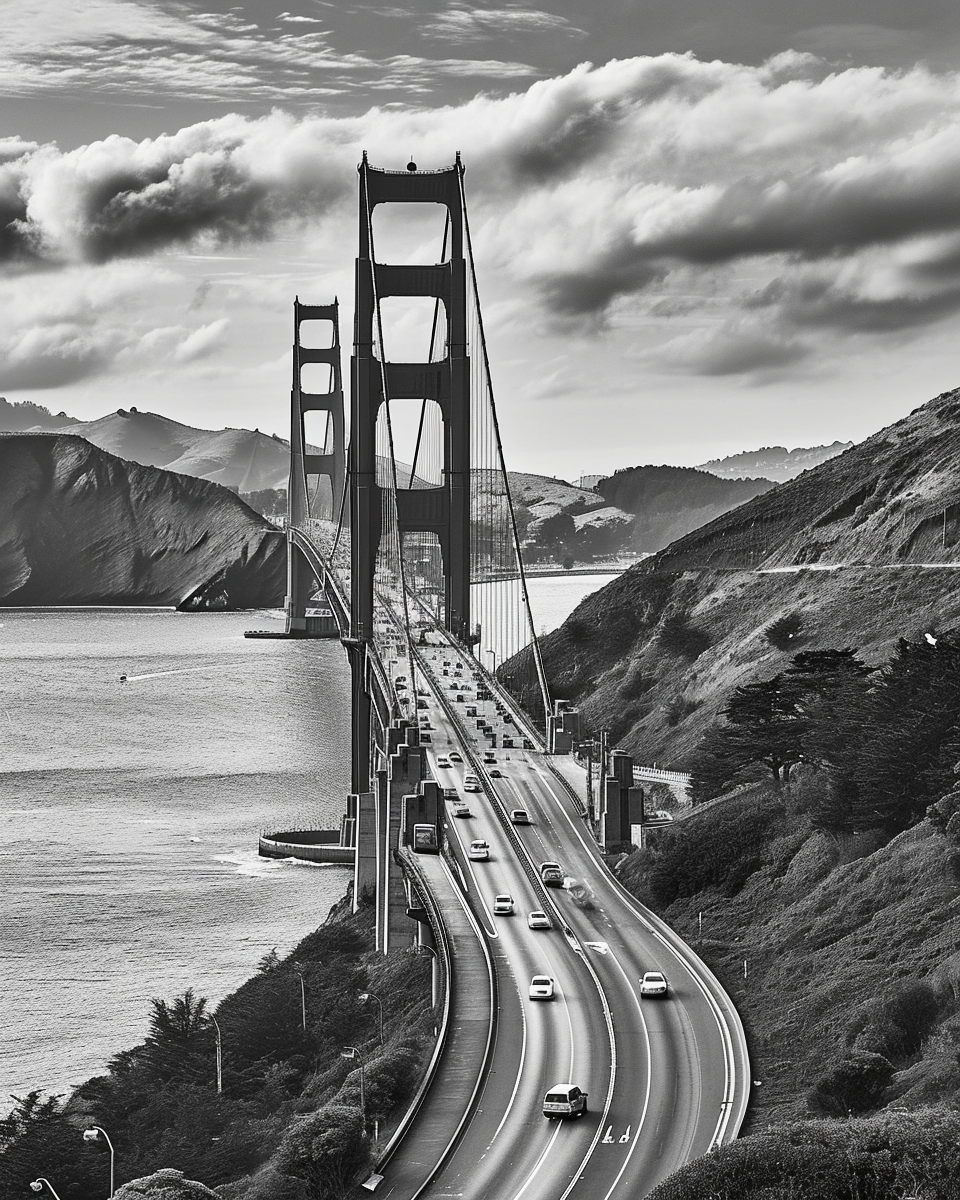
<point x="135" y="48"/>
<point x="460" y="22"/>
<point x="590" y="192"/>
<point x="59" y="328"/>
<point x="731" y="349"/>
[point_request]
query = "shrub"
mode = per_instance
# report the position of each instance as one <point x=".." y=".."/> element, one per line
<point x="855" y="1085"/>
<point x="678" y="636"/>
<point x="784" y="632"/>
<point x="679" y="708"/>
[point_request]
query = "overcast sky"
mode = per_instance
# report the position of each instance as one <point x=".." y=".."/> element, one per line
<point x="700" y="225"/>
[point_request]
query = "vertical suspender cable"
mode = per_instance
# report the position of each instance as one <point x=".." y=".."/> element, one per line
<point x="535" y="645"/>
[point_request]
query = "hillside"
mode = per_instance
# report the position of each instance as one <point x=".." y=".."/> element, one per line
<point x="773" y="462"/>
<point x="80" y="526"/>
<point x="247" y="460"/>
<point x="844" y="550"/>
<point x="667" y="502"/>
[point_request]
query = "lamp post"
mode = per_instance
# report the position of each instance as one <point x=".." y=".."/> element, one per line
<point x="219" y="1056"/>
<point x="353" y="1052"/>
<point x="434" y="973"/>
<point x="493" y="655"/>
<point x="93" y="1135"/>
<point x="370" y="996"/>
<point x="37" y="1186"/>
<point x="303" y="996"/>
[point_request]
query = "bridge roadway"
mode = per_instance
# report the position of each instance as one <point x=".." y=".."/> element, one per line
<point x="667" y="1080"/>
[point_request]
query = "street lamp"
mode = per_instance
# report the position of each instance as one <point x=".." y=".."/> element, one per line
<point x="434" y="973"/>
<point x="219" y="1056"/>
<point x="353" y="1052"/>
<point x="303" y="996"/>
<point x="93" y="1135"/>
<point x="37" y="1186"/>
<point x="370" y="996"/>
<point x="493" y="655"/>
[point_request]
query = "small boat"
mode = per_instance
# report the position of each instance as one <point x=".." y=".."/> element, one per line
<point x="123" y="679"/>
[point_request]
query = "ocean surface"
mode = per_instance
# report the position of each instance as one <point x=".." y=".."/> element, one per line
<point x="130" y="815"/>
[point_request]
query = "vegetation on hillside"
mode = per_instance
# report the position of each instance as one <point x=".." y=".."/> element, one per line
<point x="890" y="1157"/>
<point x="887" y="740"/>
<point x="287" y="1124"/>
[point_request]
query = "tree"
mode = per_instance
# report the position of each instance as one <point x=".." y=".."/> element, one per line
<point x="766" y="726"/>
<point x="911" y="724"/>
<point x="325" y="1150"/>
<point x="179" y="1044"/>
<point x="36" y="1134"/>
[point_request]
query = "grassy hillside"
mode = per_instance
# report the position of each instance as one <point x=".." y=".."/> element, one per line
<point x="858" y="552"/>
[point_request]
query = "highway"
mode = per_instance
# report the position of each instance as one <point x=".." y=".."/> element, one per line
<point x="665" y="1078"/>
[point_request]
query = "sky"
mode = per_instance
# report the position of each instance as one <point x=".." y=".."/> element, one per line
<point x="700" y="226"/>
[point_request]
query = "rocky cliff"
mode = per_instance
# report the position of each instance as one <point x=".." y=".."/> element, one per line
<point x="859" y="551"/>
<point x="80" y="526"/>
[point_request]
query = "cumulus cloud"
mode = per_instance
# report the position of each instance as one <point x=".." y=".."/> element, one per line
<point x="588" y="191"/>
<point x="57" y="329"/>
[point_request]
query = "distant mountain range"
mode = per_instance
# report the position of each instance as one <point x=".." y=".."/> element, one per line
<point x="249" y="461"/>
<point x="773" y="462"/>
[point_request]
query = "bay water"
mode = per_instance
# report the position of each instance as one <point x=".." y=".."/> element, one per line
<point x="130" y="811"/>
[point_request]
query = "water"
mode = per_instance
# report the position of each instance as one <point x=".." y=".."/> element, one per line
<point x="554" y="598"/>
<point x="131" y="813"/>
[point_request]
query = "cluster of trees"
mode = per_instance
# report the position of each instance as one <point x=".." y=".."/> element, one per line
<point x="289" y="1107"/>
<point x="886" y="739"/>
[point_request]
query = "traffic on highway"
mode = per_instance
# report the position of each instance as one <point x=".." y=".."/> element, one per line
<point x="617" y="1057"/>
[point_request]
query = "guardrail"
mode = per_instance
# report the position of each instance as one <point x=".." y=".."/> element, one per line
<point x="410" y="864"/>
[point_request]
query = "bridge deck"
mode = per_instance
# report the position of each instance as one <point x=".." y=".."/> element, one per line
<point x="450" y="1097"/>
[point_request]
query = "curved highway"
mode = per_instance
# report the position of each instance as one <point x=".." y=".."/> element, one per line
<point x="667" y="1079"/>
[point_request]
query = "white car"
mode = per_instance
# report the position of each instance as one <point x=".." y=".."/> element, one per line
<point x="541" y="988"/>
<point x="538" y="919"/>
<point x="443" y="764"/>
<point x="660" y="814"/>
<point x="503" y="905"/>
<point x="654" y="983"/>
<point x="461" y="810"/>
<point x="456" y="756"/>
<point x="479" y="851"/>
<point x="519" y="816"/>
<point x="471" y="783"/>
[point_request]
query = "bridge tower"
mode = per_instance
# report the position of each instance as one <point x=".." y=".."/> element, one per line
<point x="443" y="510"/>
<point x="325" y="465"/>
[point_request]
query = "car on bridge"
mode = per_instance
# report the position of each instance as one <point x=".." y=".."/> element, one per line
<point x="462" y="811"/>
<point x="519" y="816"/>
<point x="496" y="773"/>
<point x="653" y="983"/>
<point x="564" y="1100"/>
<point x="455" y="756"/>
<point x="471" y="783"/>
<point x="660" y="814"/>
<point x="538" y="919"/>
<point x="444" y="764"/>
<point x="478" y="850"/>
<point x="503" y="905"/>
<point x="542" y="988"/>
<point x="489" y="756"/>
<point x="551" y="877"/>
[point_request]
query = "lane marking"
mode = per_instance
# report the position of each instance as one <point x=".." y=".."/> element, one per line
<point x="687" y="957"/>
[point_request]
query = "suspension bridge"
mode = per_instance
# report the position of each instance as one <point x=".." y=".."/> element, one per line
<point x="413" y="561"/>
